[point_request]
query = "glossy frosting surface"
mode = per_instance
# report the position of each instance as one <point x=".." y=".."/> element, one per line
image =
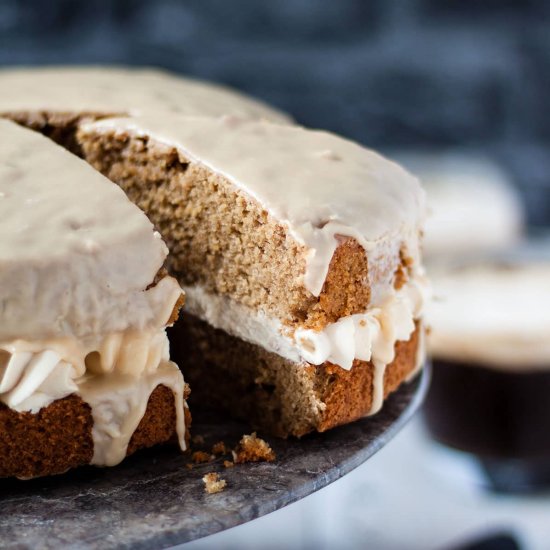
<point x="112" y="90"/>
<point x="318" y="184"/>
<point x="75" y="255"/>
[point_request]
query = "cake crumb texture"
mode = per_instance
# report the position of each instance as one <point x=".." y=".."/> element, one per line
<point x="59" y="436"/>
<point x="200" y="457"/>
<point x="273" y="394"/>
<point x="225" y="241"/>
<point x="219" y="448"/>
<point x="213" y="483"/>
<point x="251" y="448"/>
<point x="58" y="126"/>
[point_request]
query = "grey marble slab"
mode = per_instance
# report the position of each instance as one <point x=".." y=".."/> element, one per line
<point x="153" y="501"/>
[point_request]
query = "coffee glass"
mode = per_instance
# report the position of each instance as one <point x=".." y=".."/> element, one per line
<point x="490" y="348"/>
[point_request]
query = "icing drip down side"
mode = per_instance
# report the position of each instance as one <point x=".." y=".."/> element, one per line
<point x="116" y="378"/>
<point x="369" y="336"/>
<point x="118" y="403"/>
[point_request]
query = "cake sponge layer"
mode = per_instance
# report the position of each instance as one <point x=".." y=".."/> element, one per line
<point x="59" y="436"/>
<point x="224" y="240"/>
<point x="277" y="395"/>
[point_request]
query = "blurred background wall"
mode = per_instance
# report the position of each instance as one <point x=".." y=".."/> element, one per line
<point x="388" y="73"/>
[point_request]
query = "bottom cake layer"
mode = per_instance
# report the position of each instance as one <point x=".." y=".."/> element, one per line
<point x="276" y="395"/>
<point x="59" y="436"/>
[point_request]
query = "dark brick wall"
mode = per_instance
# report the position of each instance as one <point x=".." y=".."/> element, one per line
<point x="389" y="73"/>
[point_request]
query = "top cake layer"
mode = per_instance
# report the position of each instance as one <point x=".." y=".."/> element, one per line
<point x="75" y="255"/>
<point x="103" y="90"/>
<point x="496" y="315"/>
<point x="320" y="186"/>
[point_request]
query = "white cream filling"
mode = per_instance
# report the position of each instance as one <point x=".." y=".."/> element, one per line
<point x="368" y="336"/>
<point x="365" y="336"/>
<point x="253" y="326"/>
<point x="115" y="376"/>
<point x="30" y="381"/>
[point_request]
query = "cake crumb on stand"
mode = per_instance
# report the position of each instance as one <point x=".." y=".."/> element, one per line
<point x="198" y="440"/>
<point x="251" y="448"/>
<point x="201" y="457"/>
<point x="219" y="448"/>
<point x="213" y="483"/>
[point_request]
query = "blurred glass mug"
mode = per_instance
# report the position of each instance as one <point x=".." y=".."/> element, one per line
<point x="490" y="347"/>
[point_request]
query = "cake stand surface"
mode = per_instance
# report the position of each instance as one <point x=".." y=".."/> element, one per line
<point x="153" y="501"/>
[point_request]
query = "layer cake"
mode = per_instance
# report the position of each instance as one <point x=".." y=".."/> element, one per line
<point x="299" y="254"/>
<point x="298" y="250"/>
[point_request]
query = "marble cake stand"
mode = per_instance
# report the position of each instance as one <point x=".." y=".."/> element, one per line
<point x="153" y="501"/>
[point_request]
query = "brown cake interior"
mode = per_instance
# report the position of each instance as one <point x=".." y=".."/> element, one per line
<point x="272" y="393"/>
<point x="217" y="236"/>
<point x="220" y="238"/>
<point x="59" y="127"/>
<point x="59" y="436"/>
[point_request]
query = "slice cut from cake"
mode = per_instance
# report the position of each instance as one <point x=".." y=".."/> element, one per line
<point x="54" y="100"/>
<point x="85" y="375"/>
<point x="299" y="254"/>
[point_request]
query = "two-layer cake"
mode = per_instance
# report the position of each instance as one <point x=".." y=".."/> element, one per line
<point x="299" y="255"/>
<point x="298" y="250"/>
<point x="85" y="376"/>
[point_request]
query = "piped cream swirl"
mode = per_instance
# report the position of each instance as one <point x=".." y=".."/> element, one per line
<point x="30" y="381"/>
<point x="368" y="336"/>
<point x="116" y="378"/>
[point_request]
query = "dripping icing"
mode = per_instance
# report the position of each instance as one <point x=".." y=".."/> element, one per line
<point x="117" y="388"/>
